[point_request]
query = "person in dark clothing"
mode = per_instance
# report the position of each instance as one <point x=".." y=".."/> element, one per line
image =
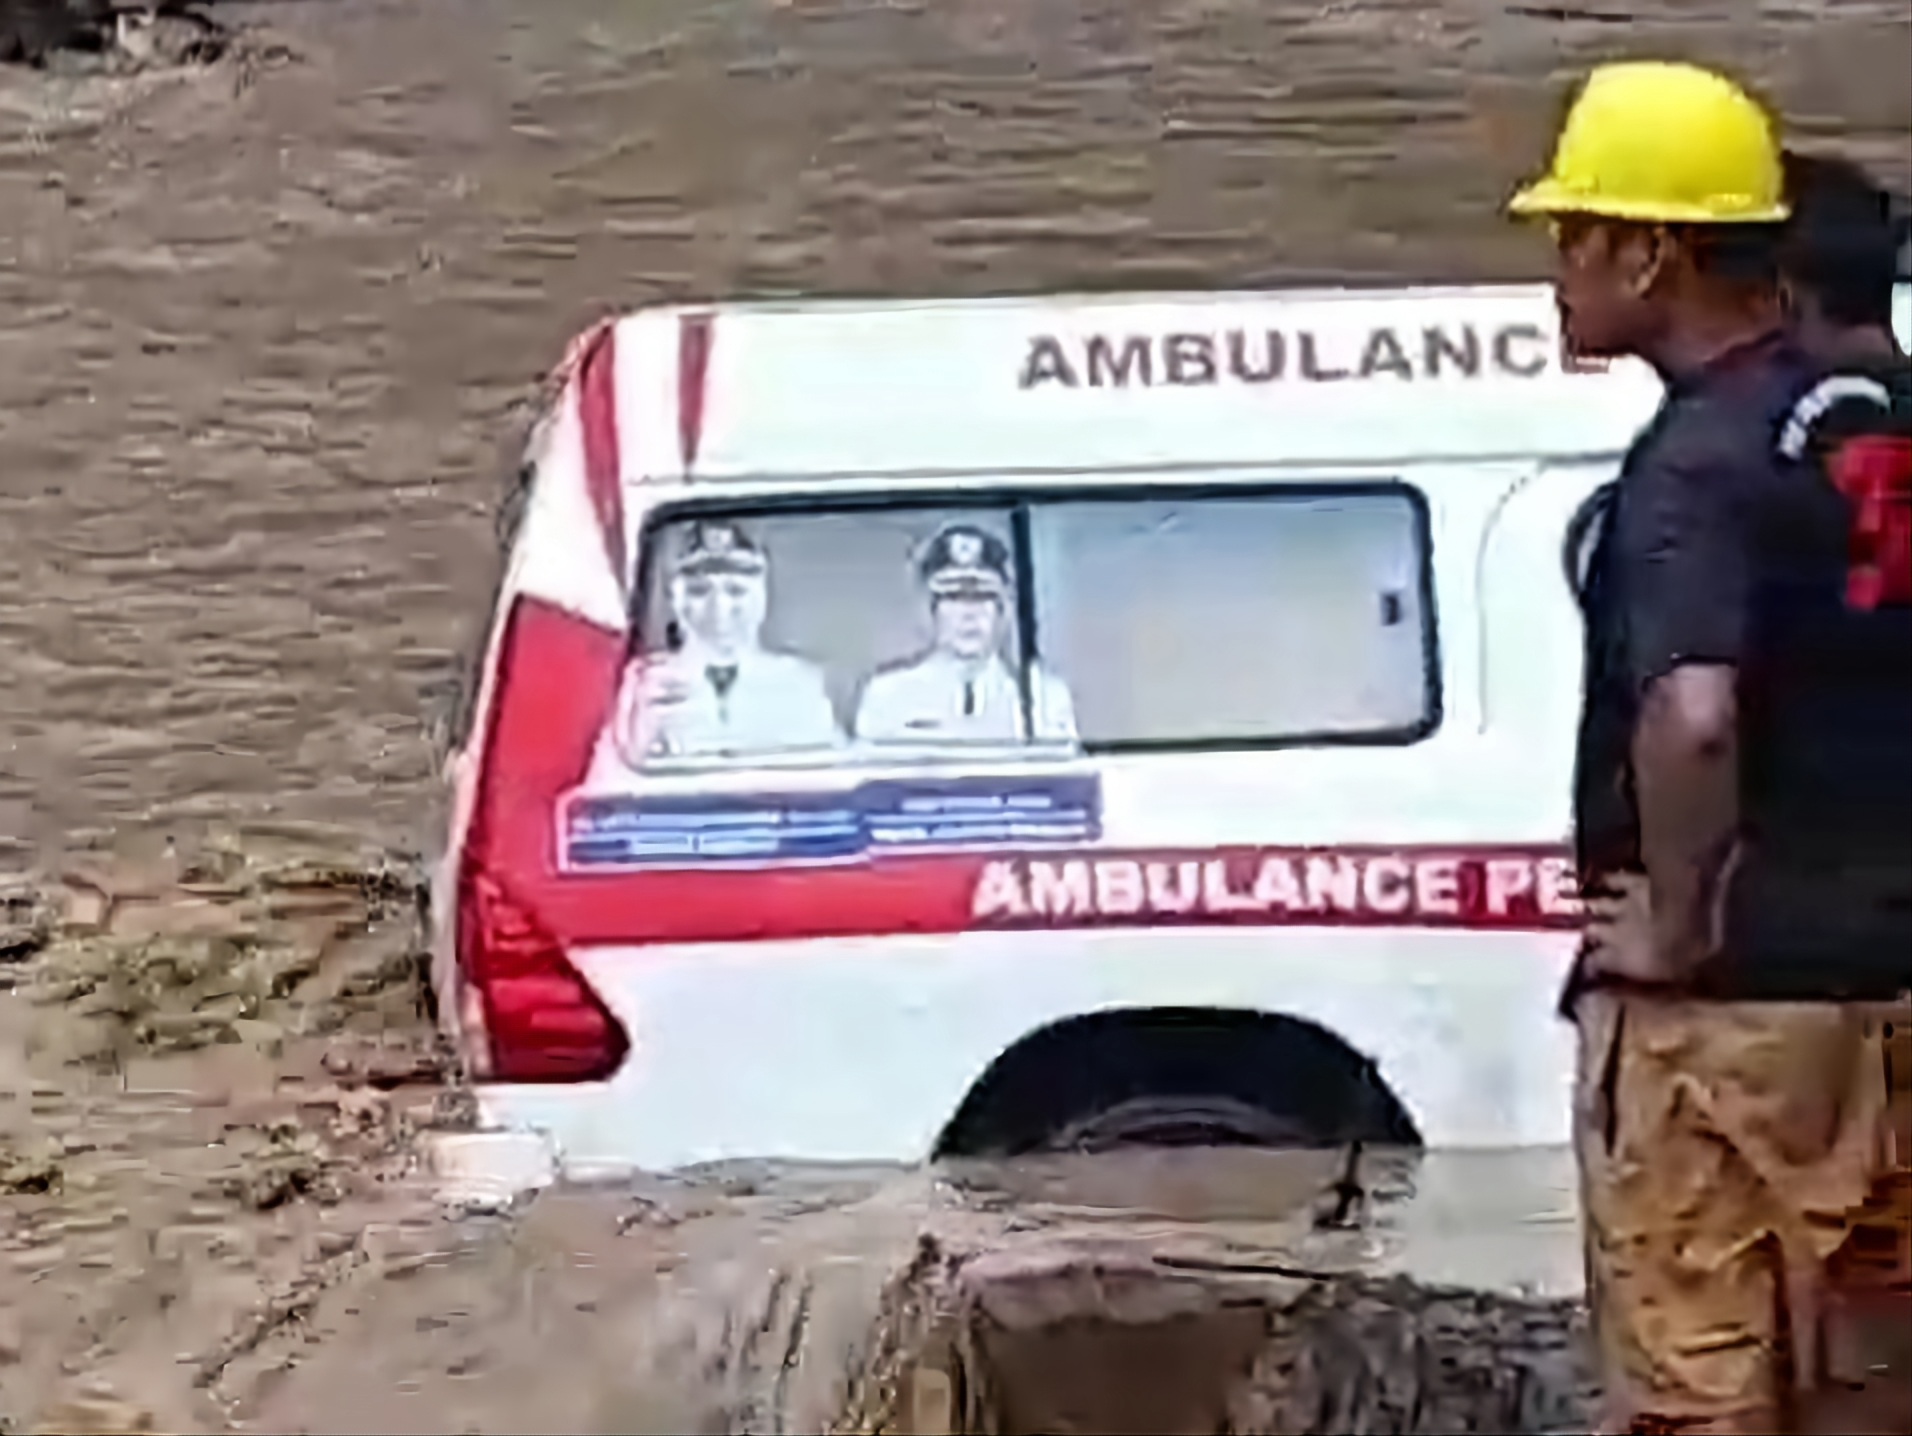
<point x="1843" y="252"/>
<point x="1839" y="260"/>
<point x="1851" y="680"/>
<point x="1845" y="247"/>
<point x="1731" y="1096"/>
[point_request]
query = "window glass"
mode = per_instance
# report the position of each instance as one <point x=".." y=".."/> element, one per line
<point x="845" y="632"/>
<point x="1256" y="619"/>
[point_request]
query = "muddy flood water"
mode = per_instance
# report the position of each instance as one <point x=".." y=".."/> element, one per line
<point x="269" y="330"/>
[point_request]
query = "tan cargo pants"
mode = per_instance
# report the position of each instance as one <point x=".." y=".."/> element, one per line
<point x="1746" y="1183"/>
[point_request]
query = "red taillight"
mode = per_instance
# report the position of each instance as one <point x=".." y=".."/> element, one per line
<point x="543" y="1023"/>
<point x="553" y="678"/>
<point x="529" y="1014"/>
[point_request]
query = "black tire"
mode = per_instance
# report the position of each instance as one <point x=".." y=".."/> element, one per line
<point x="1179" y="1120"/>
<point x="1175" y="1077"/>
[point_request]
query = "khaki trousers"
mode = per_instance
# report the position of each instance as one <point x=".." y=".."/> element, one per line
<point x="1746" y="1184"/>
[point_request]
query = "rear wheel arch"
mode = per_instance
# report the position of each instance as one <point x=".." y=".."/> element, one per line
<point x="1176" y="1076"/>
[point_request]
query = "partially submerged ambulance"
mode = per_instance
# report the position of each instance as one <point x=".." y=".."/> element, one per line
<point x="977" y="728"/>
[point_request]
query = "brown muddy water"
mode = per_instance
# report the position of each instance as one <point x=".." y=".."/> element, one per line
<point x="268" y="333"/>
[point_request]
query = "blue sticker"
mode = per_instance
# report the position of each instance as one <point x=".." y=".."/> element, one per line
<point x="981" y="812"/>
<point x="886" y="815"/>
<point x="629" y="831"/>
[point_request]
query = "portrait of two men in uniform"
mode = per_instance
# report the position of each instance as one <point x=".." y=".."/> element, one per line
<point x="962" y="689"/>
<point x="714" y="687"/>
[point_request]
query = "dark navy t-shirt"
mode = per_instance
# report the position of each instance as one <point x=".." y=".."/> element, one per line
<point x="1714" y="547"/>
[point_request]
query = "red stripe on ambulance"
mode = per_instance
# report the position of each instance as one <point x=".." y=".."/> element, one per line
<point x="603" y="470"/>
<point x="694" y="335"/>
<point x="1503" y="888"/>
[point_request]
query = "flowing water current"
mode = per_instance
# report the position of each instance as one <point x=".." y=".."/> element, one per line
<point x="269" y="334"/>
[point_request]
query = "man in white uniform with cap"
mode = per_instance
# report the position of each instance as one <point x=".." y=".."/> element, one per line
<point x="720" y="692"/>
<point x="962" y="690"/>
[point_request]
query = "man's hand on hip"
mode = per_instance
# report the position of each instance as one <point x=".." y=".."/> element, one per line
<point x="1623" y="941"/>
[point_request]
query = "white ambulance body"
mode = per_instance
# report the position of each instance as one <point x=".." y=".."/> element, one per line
<point x="1293" y="865"/>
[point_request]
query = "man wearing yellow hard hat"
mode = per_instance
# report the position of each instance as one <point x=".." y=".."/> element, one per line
<point x="1730" y="803"/>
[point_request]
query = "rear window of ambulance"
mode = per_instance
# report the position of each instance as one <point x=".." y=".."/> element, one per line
<point x="1110" y="621"/>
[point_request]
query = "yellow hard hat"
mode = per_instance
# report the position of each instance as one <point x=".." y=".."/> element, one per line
<point x="1666" y="144"/>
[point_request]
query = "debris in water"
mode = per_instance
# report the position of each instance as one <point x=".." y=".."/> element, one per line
<point x="97" y="1415"/>
<point x="219" y="947"/>
<point x="280" y="1164"/>
<point x="32" y="1171"/>
<point x="110" y="37"/>
<point x="25" y="922"/>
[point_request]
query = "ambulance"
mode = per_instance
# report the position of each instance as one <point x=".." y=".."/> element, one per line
<point x="919" y="730"/>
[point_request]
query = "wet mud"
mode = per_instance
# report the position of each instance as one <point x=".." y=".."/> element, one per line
<point x="802" y="1301"/>
<point x="273" y="321"/>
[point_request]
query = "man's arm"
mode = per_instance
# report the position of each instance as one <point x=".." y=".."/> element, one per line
<point x="1686" y="581"/>
<point x="1686" y="769"/>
